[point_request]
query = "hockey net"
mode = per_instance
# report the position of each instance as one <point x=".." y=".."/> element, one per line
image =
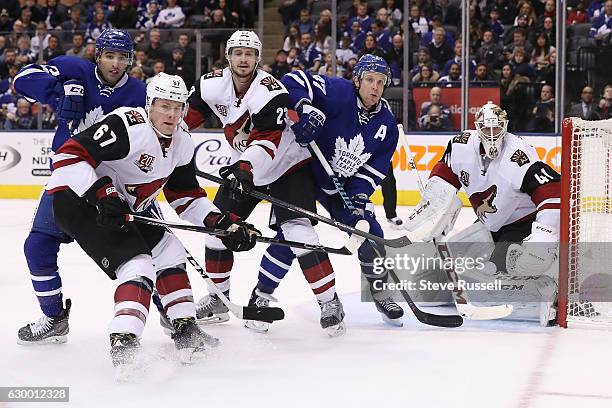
<point x="585" y="268"/>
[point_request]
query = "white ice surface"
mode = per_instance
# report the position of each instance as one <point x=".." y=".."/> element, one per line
<point x="482" y="364"/>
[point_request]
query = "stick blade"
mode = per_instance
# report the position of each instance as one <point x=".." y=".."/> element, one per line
<point x="265" y="314"/>
<point x="472" y="312"/>
<point x="398" y="242"/>
<point x="448" y="321"/>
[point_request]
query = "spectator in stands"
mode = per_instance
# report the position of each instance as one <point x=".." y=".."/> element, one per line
<point x="53" y="49"/>
<point x="280" y="67"/>
<point x="147" y="18"/>
<point x="482" y="74"/>
<point x="550" y="10"/>
<point x="189" y="55"/>
<point x="357" y="36"/>
<point x="35" y="10"/>
<point x="327" y="63"/>
<point x="435" y="97"/>
<point x="232" y="18"/>
<point x="154" y="50"/>
<point x="520" y="40"/>
<point x="371" y="47"/>
<point x="439" y="50"/>
<point x="324" y="23"/>
<point x="97" y="5"/>
<point x="426" y="75"/>
<point x="605" y="104"/>
<point x="362" y="17"/>
<point x="586" y="108"/>
<point x="349" y="69"/>
<point x="525" y="8"/>
<point x="293" y="58"/>
<point x="395" y="59"/>
<point x="489" y="52"/>
<point x="305" y="23"/>
<point x="6" y="24"/>
<point x="171" y="16"/>
<point x="136" y="72"/>
<point x="323" y="40"/>
<point x="395" y="14"/>
<point x="454" y="75"/>
<point x="25" y="54"/>
<point x="124" y="16"/>
<point x="418" y="22"/>
<point x="381" y="34"/>
<point x="543" y="113"/>
<point x="548" y="74"/>
<point x="549" y="30"/>
<point x="495" y="24"/>
<point x="540" y="56"/>
<point x="344" y="52"/>
<point x="29" y="27"/>
<point x="158" y="66"/>
<point x="521" y="23"/>
<point x="98" y="24"/>
<point x="602" y="25"/>
<point x="41" y="38"/>
<point x="382" y="15"/>
<point x="423" y="58"/>
<point x="292" y="39"/>
<point x="90" y="52"/>
<point x="22" y="118"/>
<point x="520" y="65"/>
<point x="578" y="15"/>
<point x="9" y="59"/>
<point x="178" y="67"/>
<point x="595" y="9"/>
<point x="310" y="57"/>
<point x="3" y="44"/>
<point x="290" y="10"/>
<point x="436" y="22"/>
<point x="12" y="7"/>
<point x="78" y="49"/>
<point x="435" y="120"/>
<point x="457" y="60"/>
<point x="143" y="62"/>
<point x="55" y="14"/>
<point x="72" y="26"/>
<point x="506" y="9"/>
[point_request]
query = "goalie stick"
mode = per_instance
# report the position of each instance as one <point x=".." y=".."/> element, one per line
<point x="393" y="243"/>
<point x="241" y="312"/>
<point x="349" y="249"/>
<point x="423" y="317"/>
<point x="464" y="307"/>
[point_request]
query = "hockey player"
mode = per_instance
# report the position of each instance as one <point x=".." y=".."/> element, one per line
<point x="118" y="166"/>
<point x="515" y="196"/>
<point x="357" y="133"/>
<point x="252" y="106"/>
<point x="83" y="93"/>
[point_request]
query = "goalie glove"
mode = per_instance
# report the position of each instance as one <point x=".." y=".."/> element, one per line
<point x="537" y="252"/>
<point x="436" y="213"/>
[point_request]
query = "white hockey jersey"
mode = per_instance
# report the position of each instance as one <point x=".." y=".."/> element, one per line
<point x="513" y="187"/>
<point x="255" y="124"/>
<point x="124" y="147"/>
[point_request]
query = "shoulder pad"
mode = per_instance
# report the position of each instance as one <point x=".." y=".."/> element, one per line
<point x="271" y="83"/>
<point x="519" y="157"/>
<point x="217" y="73"/>
<point x="462" y="138"/>
<point x="134" y="117"/>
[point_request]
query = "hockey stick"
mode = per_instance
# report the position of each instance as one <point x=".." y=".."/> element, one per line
<point x="423" y="317"/>
<point x="393" y="243"/>
<point x="462" y="302"/>
<point x="349" y="249"/>
<point x="241" y="312"/>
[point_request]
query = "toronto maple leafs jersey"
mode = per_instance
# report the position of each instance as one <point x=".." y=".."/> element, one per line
<point x="358" y="144"/>
<point x="42" y="83"/>
<point x="255" y="124"/>
<point x="514" y="187"/>
<point x="124" y="147"/>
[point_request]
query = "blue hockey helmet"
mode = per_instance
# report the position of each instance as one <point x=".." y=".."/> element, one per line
<point x="115" y="40"/>
<point x="372" y="63"/>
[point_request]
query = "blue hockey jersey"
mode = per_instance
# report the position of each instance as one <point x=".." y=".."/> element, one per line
<point x="42" y="83"/>
<point x="358" y="144"/>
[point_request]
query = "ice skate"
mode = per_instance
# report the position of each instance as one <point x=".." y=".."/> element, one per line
<point x="190" y="341"/>
<point x="396" y="223"/>
<point x="47" y="330"/>
<point x="211" y="310"/>
<point x="332" y="316"/>
<point x="390" y="311"/>
<point x="259" y="299"/>
<point x="124" y="348"/>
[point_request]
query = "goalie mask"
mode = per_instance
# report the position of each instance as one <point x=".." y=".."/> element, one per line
<point x="491" y="122"/>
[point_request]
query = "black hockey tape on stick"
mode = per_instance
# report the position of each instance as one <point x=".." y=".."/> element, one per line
<point x="393" y="243"/>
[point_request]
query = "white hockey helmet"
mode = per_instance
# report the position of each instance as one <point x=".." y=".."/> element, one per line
<point x="246" y="39"/>
<point x="491" y="122"/>
<point x="170" y="87"/>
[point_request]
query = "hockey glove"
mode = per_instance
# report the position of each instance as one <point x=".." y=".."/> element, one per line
<point x="310" y="125"/>
<point x="536" y="254"/>
<point x="242" y="235"/>
<point x="362" y="205"/>
<point x="111" y="208"/>
<point x="71" y="105"/>
<point x="238" y="178"/>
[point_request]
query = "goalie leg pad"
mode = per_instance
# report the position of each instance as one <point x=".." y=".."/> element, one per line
<point x="472" y="242"/>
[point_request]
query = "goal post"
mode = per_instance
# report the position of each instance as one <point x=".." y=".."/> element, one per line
<point x="585" y="250"/>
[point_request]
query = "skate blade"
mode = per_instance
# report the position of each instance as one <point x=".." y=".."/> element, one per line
<point x="215" y="319"/>
<point x="336" y="330"/>
<point x="49" y="340"/>
<point x="191" y="355"/>
<point x="257" y="326"/>
<point x="393" y="322"/>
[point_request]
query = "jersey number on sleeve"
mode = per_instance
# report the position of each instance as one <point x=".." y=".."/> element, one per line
<point x="106" y="134"/>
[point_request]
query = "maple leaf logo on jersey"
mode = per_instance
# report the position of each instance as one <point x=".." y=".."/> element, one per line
<point x="482" y="203"/>
<point x="349" y="158"/>
<point x="91" y="117"/>
<point x="145" y="193"/>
